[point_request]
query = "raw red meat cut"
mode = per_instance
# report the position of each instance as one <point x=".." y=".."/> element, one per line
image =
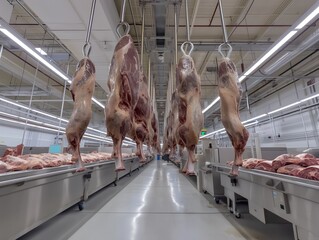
<point x="123" y="83"/>
<point x="4" y="167"/>
<point x="285" y="159"/>
<point x="230" y="94"/>
<point x="311" y="173"/>
<point x="82" y="89"/>
<point x="265" y="166"/>
<point x="251" y="163"/>
<point x="291" y="169"/>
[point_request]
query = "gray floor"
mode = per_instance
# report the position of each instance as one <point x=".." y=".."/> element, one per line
<point x="155" y="203"/>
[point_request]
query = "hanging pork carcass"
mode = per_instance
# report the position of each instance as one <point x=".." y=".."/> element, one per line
<point x="230" y="94"/>
<point x="190" y="115"/>
<point x="123" y="83"/>
<point x="82" y="89"/>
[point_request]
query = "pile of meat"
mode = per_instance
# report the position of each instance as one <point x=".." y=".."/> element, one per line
<point x="303" y="165"/>
<point x="45" y="160"/>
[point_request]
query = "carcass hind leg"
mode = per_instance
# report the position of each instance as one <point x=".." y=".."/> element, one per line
<point x="191" y="162"/>
<point x="117" y="154"/>
<point x="139" y="152"/>
<point x="80" y="165"/>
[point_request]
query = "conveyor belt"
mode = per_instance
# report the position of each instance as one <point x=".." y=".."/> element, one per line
<point x="292" y="198"/>
<point x="29" y="198"/>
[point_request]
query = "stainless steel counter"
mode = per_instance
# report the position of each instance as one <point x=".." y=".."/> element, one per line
<point x="291" y="198"/>
<point x="29" y="198"/>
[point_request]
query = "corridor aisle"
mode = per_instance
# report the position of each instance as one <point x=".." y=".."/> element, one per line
<point x="160" y="203"/>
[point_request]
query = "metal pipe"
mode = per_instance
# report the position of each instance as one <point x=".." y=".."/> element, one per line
<point x="41" y="25"/>
<point x="30" y="102"/>
<point x="222" y="20"/>
<point x="142" y="37"/>
<point x="123" y="10"/>
<point x="88" y="33"/>
<point x="134" y="23"/>
<point x="175" y="33"/>
<point x="149" y="76"/>
<point x="187" y="20"/>
<point x="63" y="100"/>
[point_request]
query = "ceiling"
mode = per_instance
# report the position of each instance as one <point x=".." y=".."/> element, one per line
<point x="59" y="28"/>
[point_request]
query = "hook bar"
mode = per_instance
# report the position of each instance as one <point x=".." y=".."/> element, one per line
<point x="123" y="10"/>
<point x="223" y="21"/>
<point x="220" y="50"/>
<point x="88" y="33"/>
<point x="86" y="49"/>
<point x="184" y="45"/>
<point x="175" y="33"/>
<point x="126" y="29"/>
<point x="187" y="21"/>
<point x="143" y="27"/>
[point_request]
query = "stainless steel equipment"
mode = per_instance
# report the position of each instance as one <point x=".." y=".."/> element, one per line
<point x="29" y="198"/>
<point x="291" y="198"/>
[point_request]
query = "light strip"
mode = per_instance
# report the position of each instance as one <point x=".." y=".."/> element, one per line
<point x="283" y="108"/>
<point x="288" y="36"/>
<point x="34" y="54"/>
<point x="308" y="18"/>
<point x="43" y="113"/>
<point x="210" y="105"/>
<point x="39" y="57"/>
<point x="266" y="114"/>
<point x="254" y="118"/>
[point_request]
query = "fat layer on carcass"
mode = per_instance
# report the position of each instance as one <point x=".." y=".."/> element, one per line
<point x="123" y="83"/>
<point x="189" y="109"/>
<point x="82" y="89"/>
<point x="230" y="94"/>
<point x="141" y="116"/>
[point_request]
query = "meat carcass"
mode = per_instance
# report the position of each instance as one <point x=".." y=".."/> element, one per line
<point x="291" y="169"/>
<point x="141" y="116"/>
<point x="123" y="83"/>
<point x="82" y="89"/>
<point x="307" y="159"/>
<point x="4" y="167"/>
<point x="251" y="163"/>
<point x="190" y="115"/>
<point x="265" y="166"/>
<point x="230" y="94"/>
<point x="16" y="163"/>
<point x="311" y="172"/>
<point x="14" y="151"/>
<point x="285" y="159"/>
<point x="174" y="127"/>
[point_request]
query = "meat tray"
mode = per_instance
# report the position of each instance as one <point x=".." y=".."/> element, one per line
<point x="29" y="198"/>
<point x="291" y="198"/>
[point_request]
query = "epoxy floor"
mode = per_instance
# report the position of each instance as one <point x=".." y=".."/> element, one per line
<point x="160" y="203"/>
<point x="156" y="203"/>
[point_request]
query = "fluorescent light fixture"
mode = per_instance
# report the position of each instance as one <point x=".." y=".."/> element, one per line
<point x="270" y="52"/>
<point x="31" y="125"/>
<point x="254" y="118"/>
<point x="308" y="18"/>
<point x="98" y="103"/>
<point x="249" y="124"/>
<point x="210" y="105"/>
<point x="263" y="115"/>
<point x="41" y="51"/>
<point x="283" y="108"/>
<point x="309" y="98"/>
<point x="33" y="53"/>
